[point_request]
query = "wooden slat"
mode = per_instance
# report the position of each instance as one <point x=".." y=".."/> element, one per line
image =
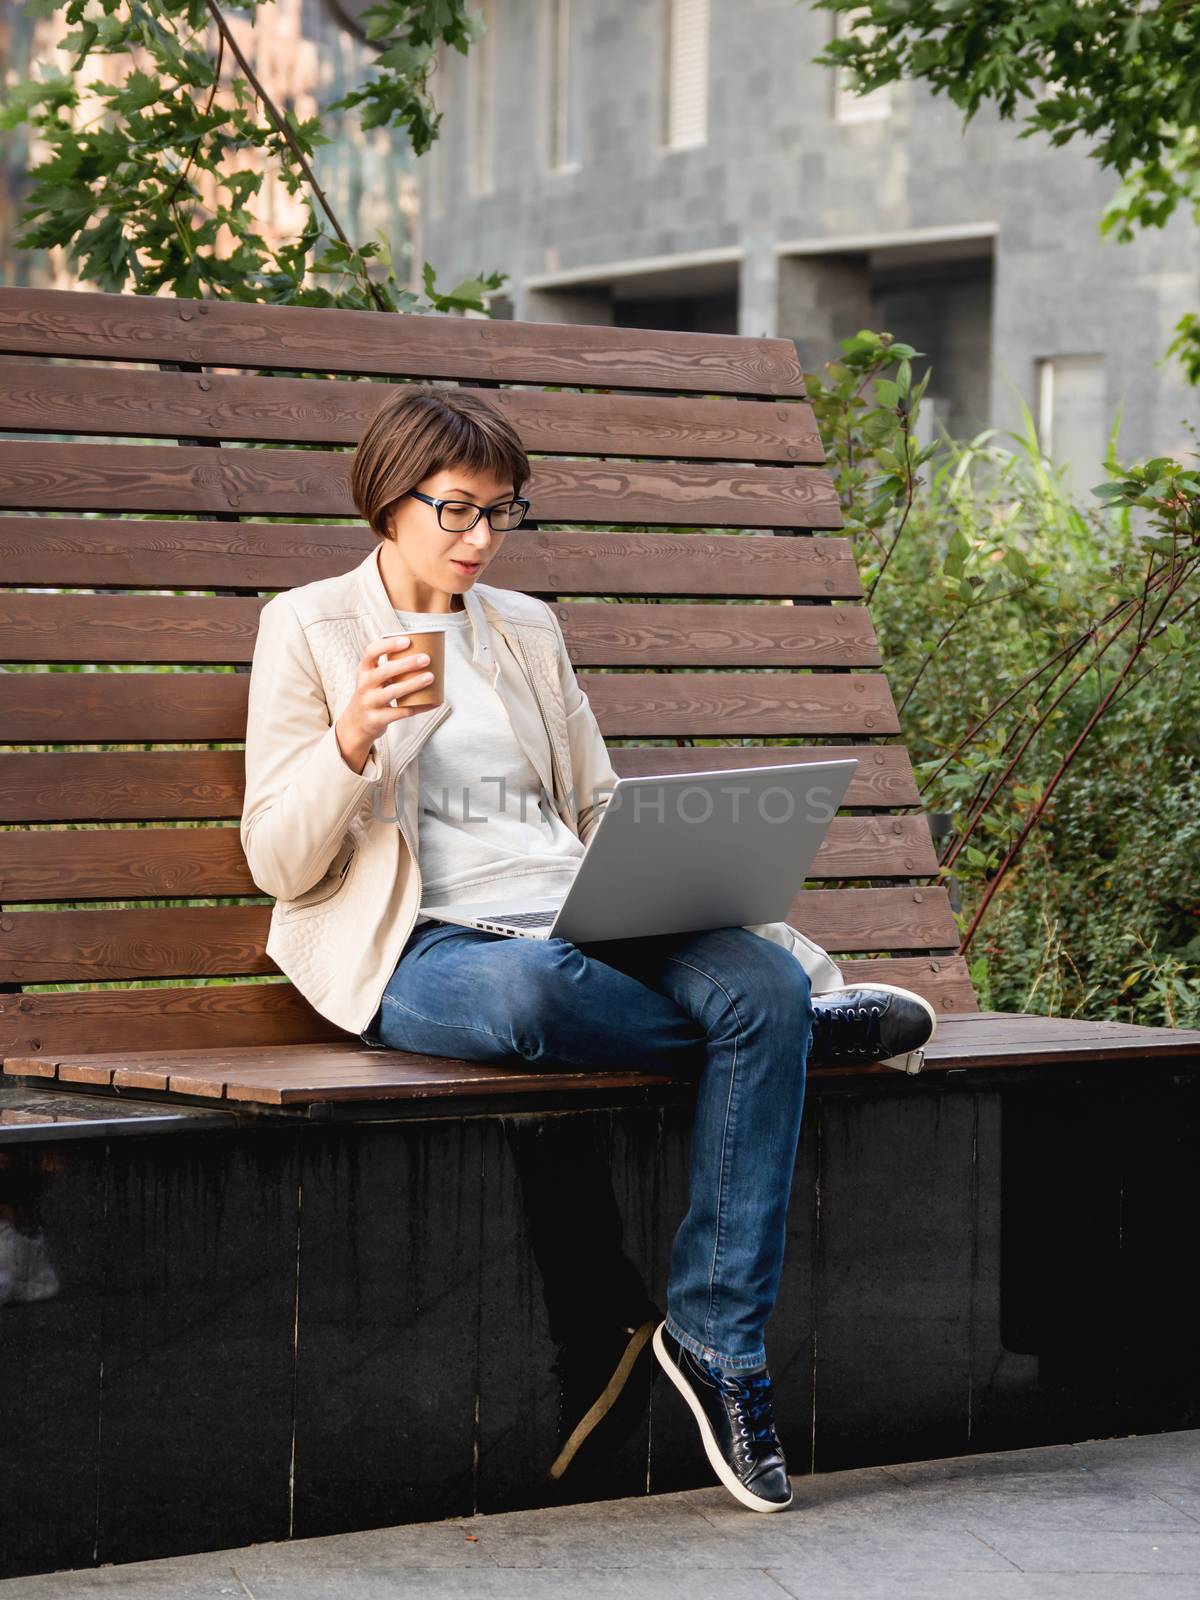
<point x="118" y="401"/>
<point x="945" y="981"/>
<point x="206" y="630"/>
<point x="149" y="629"/>
<point x="174" y="863"/>
<point x="724" y="705"/>
<point x="197" y="785"/>
<point x="1030" y="1039"/>
<point x="844" y="921"/>
<point x="349" y="1072"/>
<point x="147" y="942"/>
<point x="228" y="1015"/>
<point x="224" y="333"/>
<point x="198" y="707"/>
<point x="152" y="554"/>
<point x="106" y="946"/>
<point x="121" y="786"/>
<point x="118" y="707"/>
<point x="770" y="635"/>
<point x="882" y="779"/>
<point x="160" y="1018"/>
<point x="122" y="864"/>
<point x="340" y="1072"/>
<point x="287" y="483"/>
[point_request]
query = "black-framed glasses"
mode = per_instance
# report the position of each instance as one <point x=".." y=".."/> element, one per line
<point x="457" y="516"/>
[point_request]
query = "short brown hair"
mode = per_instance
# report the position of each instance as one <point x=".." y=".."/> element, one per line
<point x="420" y="429"/>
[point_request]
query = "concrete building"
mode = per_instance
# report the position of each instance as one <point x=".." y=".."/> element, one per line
<point x="683" y="164"/>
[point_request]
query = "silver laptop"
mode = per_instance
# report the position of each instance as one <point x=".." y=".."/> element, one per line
<point x="681" y="853"/>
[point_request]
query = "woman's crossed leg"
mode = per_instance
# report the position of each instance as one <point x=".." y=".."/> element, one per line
<point x="723" y="1005"/>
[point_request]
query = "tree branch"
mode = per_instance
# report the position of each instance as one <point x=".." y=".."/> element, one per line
<point x="287" y="135"/>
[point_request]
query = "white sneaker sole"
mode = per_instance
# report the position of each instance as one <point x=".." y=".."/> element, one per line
<point x="711" y="1449"/>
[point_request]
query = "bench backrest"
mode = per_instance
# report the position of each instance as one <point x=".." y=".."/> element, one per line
<point x="142" y="537"/>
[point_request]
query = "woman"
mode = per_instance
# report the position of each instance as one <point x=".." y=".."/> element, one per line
<point x="513" y="775"/>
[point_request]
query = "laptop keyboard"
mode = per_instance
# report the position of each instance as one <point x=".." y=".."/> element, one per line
<point x="522" y="919"/>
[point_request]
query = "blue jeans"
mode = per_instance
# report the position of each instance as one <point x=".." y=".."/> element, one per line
<point x="724" y="1005"/>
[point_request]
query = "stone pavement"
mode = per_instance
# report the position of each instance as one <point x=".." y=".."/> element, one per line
<point x="1115" y="1519"/>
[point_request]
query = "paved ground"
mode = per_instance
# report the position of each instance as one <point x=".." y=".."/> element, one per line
<point x="1106" y="1520"/>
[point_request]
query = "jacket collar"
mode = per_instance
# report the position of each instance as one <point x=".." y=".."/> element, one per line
<point x="374" y="593"/>
<point x="406" y="736"/>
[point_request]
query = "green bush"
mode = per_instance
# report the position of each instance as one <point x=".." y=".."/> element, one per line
<point x="1009" y="611"/>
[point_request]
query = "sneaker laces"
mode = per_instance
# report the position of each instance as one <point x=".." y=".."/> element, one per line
<point x="837" y="1027"/>
<point x="753" y="1407"/>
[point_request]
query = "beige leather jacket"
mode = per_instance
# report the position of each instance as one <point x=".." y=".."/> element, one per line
<point x="337" y="848"/>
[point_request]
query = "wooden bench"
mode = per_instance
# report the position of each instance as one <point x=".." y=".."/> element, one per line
<point x="142" y="488"/>
<point x="300" y="1258"/>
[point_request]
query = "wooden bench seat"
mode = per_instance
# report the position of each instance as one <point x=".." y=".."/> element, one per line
<point x="304" y="1076"/>
<point x="693" y="562"/>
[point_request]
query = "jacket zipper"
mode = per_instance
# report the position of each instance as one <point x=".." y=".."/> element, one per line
<point x="555" y="771"/>
<point x="554" y="768"/>
<point x="305" y="905"/>
<point x="433" y="723"/>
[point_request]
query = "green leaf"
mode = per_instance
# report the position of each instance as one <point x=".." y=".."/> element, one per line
<point x="1017" y="563"/>
<point x="878" y="426"/>
<point x="53" y="92"/>
<point x="138" y="91"/>
<point x="81" y="43"/>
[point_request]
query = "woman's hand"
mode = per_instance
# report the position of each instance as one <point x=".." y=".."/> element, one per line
<point x="369" y="711"/>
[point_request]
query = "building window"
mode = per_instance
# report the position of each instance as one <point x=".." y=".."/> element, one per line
<point x="1071" y="417"/>
<point x="561" y="151"/>
<point x="685" y="73"/>
<point x="848" y="106"/>
<point x="481" y="94"/>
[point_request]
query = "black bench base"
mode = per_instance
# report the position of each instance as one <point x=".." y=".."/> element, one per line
<point x="279" y="1330"/>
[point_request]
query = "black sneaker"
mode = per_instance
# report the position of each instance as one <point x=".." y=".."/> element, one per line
<point x="867" y="1022"/>
<point x="736" y="1421"/>
<point x="604" y="1379"/>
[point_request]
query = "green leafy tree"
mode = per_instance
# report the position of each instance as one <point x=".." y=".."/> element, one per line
<point x="151" y="191"/>
<point x="1125" y="74"/>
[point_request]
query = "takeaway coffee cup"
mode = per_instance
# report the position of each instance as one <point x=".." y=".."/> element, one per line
<point x="433" y="644"/>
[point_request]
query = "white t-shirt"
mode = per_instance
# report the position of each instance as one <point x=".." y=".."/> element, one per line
<point x="482" y="835"/>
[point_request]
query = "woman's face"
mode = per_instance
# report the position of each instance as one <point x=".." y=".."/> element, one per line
<point x="430" y="555"/>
